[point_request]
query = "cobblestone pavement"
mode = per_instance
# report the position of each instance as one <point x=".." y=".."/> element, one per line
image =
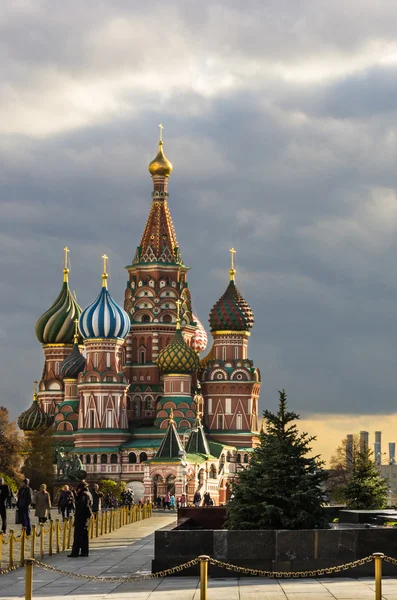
<point x="129" y="550"/>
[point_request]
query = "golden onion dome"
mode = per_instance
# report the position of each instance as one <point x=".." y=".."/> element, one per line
<point x="160" y="165"/>
<point x="178" y="358"/>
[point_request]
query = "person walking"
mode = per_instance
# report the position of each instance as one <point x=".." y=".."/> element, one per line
<point x="207" y="499"/>
<point x="172" y="502"/>
<point x="167" y="500"/>
<point x="83" y="513"/>
<point x="96" y="499"/>
<point x="25" y="498"/>
<point x="66" y="502"/>
<point x="183" y="501"/>
<point x="197" y="499"/>
<point x="43" y="504"/>
<point x="5" y="501"/>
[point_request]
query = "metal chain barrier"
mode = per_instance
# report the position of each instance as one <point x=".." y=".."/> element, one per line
<point x="291" y="574"/>
<point x="60" y="535"/>
<point x="127" y="579"/>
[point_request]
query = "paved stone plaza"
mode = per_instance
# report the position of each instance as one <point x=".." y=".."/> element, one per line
<point x="129" y="550"/>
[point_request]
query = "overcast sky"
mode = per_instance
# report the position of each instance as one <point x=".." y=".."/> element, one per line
<point x="280" y="119"/>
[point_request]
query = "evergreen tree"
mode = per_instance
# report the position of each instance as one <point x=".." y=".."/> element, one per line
<point x="282" y="486"/>
<point x="342" y="465"/>
<point x="367" y="489"/>
<point x="40" y="460"/>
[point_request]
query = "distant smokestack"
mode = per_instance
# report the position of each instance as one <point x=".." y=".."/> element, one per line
<point x="378" y="447"/>
<point x="364" y="436"/>
<point x="349" y="450"/>
<point x="392" y="452"/>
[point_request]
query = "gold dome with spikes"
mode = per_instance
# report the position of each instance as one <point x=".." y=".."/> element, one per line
<point x="160" y="165"/>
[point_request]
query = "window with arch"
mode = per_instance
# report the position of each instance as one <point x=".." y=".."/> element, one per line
<point x="108" y="360"/>
<point x="109" y="418"/>
<point x="246" y="458"/>
<point x="104" y="459"/>
<point x="95" y="459"/>
<point x="145" y="319"/>
<point x="91" y="419"/>
<point x="142" y="457"/>
<point x="113" y="459"/>
<point x="236" y="352"/>
<point x="239" y="421"/>
<point x="57" y="368"/>
<point x="88" y="459"/>
<point x="212" y="473"/>
<point x="228" y="457"/>
<point x="223" y="352"/>
<point x="95" y="360"/>
<point x="167" y="319"/>
<point x="148" y="403"/>
<point x="132" y="458"/>
<point x="238" y="458"/>
<point x="142" y="355"/>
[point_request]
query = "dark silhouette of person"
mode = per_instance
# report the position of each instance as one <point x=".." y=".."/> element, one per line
<point x="83" y="512"/>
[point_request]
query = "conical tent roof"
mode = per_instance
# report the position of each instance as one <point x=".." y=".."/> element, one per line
<point x="197" y="442"/>
<point x="171" y="446"/>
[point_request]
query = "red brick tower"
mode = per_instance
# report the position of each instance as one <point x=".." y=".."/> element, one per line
<point x="157" y="280"/>
<point x="229" y="380"/>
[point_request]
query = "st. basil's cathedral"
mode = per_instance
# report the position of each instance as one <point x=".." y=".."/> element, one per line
<point x="125" y="388"/>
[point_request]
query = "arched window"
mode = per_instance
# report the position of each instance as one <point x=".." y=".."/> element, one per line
<point x="148" y="403"/>
<point x="88" y="459"/>
<point x="104" y="459"/>
<point x="245" y="458"/>
<point x="212" y="473"/>
<point x="57" y="368"/>
<point x="95" y="360"/>
<point x="142" y="355"/>
<point x="223" y="352"/>
<point x="238" y="458"/>
<point x="167" y="318"/>
<point x="108" y="360"/>
<point x="95" y="459"/>
<point x="228" y="457"/>
<point x="145" y="319"/>
<point x="113" y="459"/>
<point x="142" y="457"/>
<point x="132" y="458"/>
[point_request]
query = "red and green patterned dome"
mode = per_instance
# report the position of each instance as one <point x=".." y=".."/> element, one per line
<point x="231" y="312"/>
<point x="178" y="358"/>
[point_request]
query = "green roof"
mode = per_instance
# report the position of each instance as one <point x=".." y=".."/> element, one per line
<point x="97" y="450"/>
<point x="171" y="446"/>
<point x="143" y="443"/>
<point x="217" y="448"/>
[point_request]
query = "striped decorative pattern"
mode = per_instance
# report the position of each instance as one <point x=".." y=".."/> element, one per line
<point x="104" y="319"/>
<point x="56" y="326"/>
<point x="33" y="418"/>
<point x="231" y="312"/>
<point x="200" y="338"/>
<point x="73" y="364"/>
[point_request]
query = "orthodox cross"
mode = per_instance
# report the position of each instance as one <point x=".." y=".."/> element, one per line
<point x="232" y="270"/>
<point x="161" y="133"/>
<point x="76" y="331"/>
<point x="66" y="257"/>
<point x="104" y="274"/>
<point x="35" y="390"/>
<point x="178" y="312"/>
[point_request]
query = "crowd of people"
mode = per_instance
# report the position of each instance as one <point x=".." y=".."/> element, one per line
<point x="168" y="501"/>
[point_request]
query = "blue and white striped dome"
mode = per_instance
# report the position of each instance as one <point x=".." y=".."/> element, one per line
<point x="104" y="319"/>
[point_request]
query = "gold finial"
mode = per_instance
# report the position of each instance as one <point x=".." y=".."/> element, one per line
<point x="66" y="267"/>
<point x="262" y="425"/>
<point x="172" y="416"/>
<point x="161" y="133"/>
<point x="35" y="391"/>
<point x="104" y="274"/>
<point x="178" y="314"/>
<point x="232" y="270"/>
<point x="76" y="331"/>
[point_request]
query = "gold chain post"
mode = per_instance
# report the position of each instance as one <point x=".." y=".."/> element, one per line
<point x="57" y="535"/>
<point x="23" y="547"/>
<point x="96" y="524"/>
<point x="1" y="547"/>
<point x="204" y="576"/>
<point x="70" y="529"/>
<point x="102" y="521"/>
<point x="51" y="538"/>
<point x="29" y="578"/>
<point x="33" y="542"/>
<point x="65" y="524"/>
<point x="378" y="557"/>
<point x="11" y="556"/>
<point x="41" y="541"/>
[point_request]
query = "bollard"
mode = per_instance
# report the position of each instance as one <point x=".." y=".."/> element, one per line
<point x="96" y="524"/>
<point x="29" y="562"/>
<point x="50" y="539"/>
<point x="64" y="530"/>
<point x="42" y="532"/>
<point x="102" y="521"/>
<point x="92" y="527"/>
<point x="70" y="529"/>
<point x="33" y="542"/>
<point x="57" y="535"/>
<point x="11" y="556"/>
<point x="204" y="576"/>
<point x="378" y="557"/>
<point x="23" y="547"/>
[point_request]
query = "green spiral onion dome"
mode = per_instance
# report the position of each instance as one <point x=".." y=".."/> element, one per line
<point x="178" y="358"/>
<point x="56" y="325"/>
<point x="34" y="417"/>
<point x="231" y="312"/>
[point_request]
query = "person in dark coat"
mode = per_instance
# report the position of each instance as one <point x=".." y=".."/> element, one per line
<point x="66" y="502"/>
<point x="83" y="512"/>
<point x="96" y="498"/>
<point x="25" y="499"/>
<point x="5" y="500"/>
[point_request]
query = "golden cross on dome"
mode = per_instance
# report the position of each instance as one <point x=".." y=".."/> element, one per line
<point x="232" y="270"/>
<point x="76" y="331"/>
<point x="35" y="390"/>
<point x="178" y="313"/>
<point x="66" y="268"/>
<point x="161" y="133"/>
<point x="172" y="416"/>
<point x="104" y="274"/>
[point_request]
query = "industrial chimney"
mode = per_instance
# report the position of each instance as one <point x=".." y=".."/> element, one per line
<point x="392" y="453"/>
<point x="349" y="450"/>
<point x="378" y="448"/>
<point x="363" y="440"/>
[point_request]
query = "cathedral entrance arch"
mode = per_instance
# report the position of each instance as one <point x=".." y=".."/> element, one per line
<point x="158" y="487"/>
<point x="170" y="483"/>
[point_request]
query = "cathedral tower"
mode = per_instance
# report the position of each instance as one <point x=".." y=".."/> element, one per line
<point x="229" y="379"/>
<point x="156" y="281"/>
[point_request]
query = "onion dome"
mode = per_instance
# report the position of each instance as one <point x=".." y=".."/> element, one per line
<point x="104" y="318"/>
<point x="231" y="312"/>
<point x="56" y="325"/>
<point x="160" y="165"/>
<point x="34" y="417"/>
<point x="178" y="358"/>
<point x="75" y="362"/>
<point x="199" y="339"/>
